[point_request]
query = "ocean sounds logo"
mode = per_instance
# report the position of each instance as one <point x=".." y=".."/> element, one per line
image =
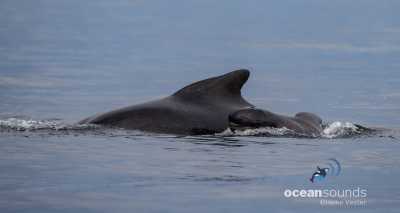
<point x="332" y="168"/>
<point x="330" y="196"/>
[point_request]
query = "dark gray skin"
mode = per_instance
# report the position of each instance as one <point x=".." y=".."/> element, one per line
<point x="304" y="123"/>
<point x="200" y="108"/>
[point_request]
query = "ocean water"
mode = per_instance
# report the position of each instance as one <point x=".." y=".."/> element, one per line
<point x="61" y="61"/>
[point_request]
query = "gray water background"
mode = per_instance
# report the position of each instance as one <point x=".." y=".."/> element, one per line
<point x="67" y="60"/>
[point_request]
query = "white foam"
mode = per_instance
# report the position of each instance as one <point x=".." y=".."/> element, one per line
<point x="258" y="132"/>
<point x="337" y="129"/>
<point x="22" y="124"/>
<point x="19" y="124"/>
<point x="332" y="130"/>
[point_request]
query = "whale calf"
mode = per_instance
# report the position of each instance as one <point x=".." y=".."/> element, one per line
<point x="199" y="108"/>
<point x="303" y="123"/>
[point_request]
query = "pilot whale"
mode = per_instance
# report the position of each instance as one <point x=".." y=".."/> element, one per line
<point x="199" y="108"/>
<point x="303" y="123"/>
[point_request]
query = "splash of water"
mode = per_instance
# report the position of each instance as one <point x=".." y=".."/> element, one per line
<point x="340" y="129"/>
<point x="335" y="129"/>
<point x="262" y="131"/>
<point x="55" y="127"/>
<point x="19" y="124"/>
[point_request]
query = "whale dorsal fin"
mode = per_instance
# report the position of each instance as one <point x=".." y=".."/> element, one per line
<point x="226" y="86"/>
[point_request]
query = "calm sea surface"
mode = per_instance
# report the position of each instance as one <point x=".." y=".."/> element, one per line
<point x="61" y="61"/>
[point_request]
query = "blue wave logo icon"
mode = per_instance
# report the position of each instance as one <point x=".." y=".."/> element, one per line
<point x="332" y="168"/>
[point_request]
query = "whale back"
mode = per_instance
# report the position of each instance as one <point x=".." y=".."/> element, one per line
<point x="225" y="87"/>
<point x="199" y="108"/>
